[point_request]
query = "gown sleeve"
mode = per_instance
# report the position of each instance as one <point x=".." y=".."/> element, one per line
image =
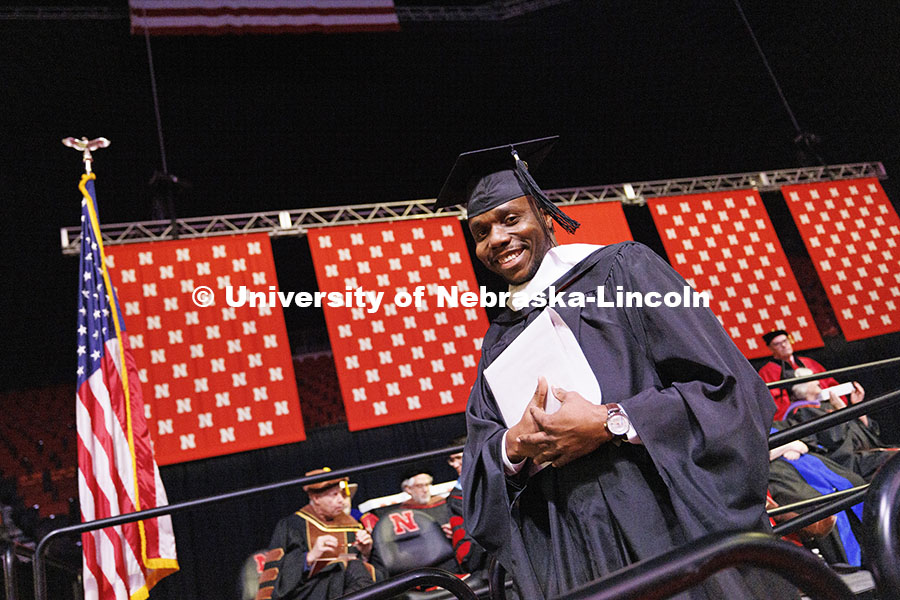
<point x="706" y="418"/>
<point x="285" y="568"/>
<point x="485" y="498"/>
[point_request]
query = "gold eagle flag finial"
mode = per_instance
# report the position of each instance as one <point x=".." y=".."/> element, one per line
<point x="86" y="146"/>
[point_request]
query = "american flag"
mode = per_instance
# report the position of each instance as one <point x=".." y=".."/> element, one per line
<point x="117" y="473"/>
<point x="217" y="17"/>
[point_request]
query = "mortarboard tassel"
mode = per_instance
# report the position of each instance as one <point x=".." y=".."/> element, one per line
<point x="528" y="184"/>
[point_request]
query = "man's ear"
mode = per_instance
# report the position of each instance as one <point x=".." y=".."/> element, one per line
<point x="548" y="221"/>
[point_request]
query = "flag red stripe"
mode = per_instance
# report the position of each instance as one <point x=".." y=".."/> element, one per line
<point x="104" y="436"/>
<point x="102" y="510"/>
<point x="117" y="400"/>
<point x="103" y="504"/>
<point x="140" y="438"/>
<point x="122" y="499"/>
<point x="266" y="29"/>
<point x="89" y="546"/>
<point x="89" y="550"/>
<point x="102" y="442"/>
<point x="249" y="11"/>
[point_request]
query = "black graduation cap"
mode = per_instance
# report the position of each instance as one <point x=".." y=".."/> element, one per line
<point x="768" y="337"/>
<point x="485" y="179"/>
<point x="413" y="471"/>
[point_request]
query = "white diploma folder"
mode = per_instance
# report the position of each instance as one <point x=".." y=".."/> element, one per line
<point x="841" y="389"/>
<point x="546" y="348"/>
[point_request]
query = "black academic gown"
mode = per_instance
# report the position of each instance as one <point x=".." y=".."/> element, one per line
<point x="287" y="576"/>
<point x="787" y="485"/>
<point x="469" y="554"/>
<point x="852" y="445"/>
<point x="701" y="411"/>
<point x="438" y="510"/>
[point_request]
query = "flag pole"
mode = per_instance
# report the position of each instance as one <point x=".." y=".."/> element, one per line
<point x="85" y="146"/>
<point x="143" y="553"/>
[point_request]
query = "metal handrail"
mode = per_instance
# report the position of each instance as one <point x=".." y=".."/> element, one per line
<point x="881" y="528"/>
<point x="887" y="362"/>
<point x="10" y="551"/>
<point x="40" y="578"/>
<point x="814" y="502"/>
<point x="684" y="567"/>
<point x="427" y="576"/>
<point x="9" y="572"/>
<point x="28" y="553"/>
<point x="833" y="418"/>
<point x="775" y="440"/>
<point x="832" y="508"/>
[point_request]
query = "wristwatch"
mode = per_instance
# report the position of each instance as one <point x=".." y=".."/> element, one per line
<point x="617" y="422"/>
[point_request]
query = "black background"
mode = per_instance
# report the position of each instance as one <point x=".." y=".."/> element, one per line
<point x="637" y="91"/>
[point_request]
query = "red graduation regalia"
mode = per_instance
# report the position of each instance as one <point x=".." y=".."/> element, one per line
<point x="777" y="370"/>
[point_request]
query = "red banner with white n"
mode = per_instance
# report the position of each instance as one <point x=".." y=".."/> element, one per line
<point x="724" y="243"/>
<point x="406" y="358"/>
<point x="218" y="379"/>
<point x="851" y="231"/>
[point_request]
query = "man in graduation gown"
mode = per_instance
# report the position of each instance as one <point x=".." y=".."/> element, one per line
<point x="784" y="367"/>
<point x="855" y="444"/>
<point x="677" y="450"/>
<point x="319" y="552"/>
<point x="469" y="554"/>
<point x="416" y="483"/>
<point x="796" y="474"/>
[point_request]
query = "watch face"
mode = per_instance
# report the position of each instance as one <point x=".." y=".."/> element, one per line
<point x="617" y="424"/>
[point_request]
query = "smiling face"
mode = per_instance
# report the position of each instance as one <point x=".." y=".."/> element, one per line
<point x="455" y="461"/>
<point x="419" y="488"/>
<point x="510" y="240"/>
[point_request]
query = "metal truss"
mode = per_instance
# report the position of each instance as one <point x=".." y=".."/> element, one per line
<point x="763" y="181"/>
<point x="297" y="222"/>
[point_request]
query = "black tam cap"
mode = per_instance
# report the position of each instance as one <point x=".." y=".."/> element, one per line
<point x="768" y="337"/>
<point x="485" y="179"/>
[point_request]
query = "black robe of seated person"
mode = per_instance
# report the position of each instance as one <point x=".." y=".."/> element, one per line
<point x="787" y="485"/>
<point x="702" y="414"/>
<point x="286" y="574"/>
<point x="852" y="445"/>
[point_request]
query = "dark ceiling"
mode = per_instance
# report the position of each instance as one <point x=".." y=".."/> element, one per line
<point x="637" y="91"/>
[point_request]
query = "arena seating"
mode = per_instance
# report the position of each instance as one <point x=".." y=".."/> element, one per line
<point x="38" y="448"/>
<point x="40" y="456"/>
<point x="319" y="390"/>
